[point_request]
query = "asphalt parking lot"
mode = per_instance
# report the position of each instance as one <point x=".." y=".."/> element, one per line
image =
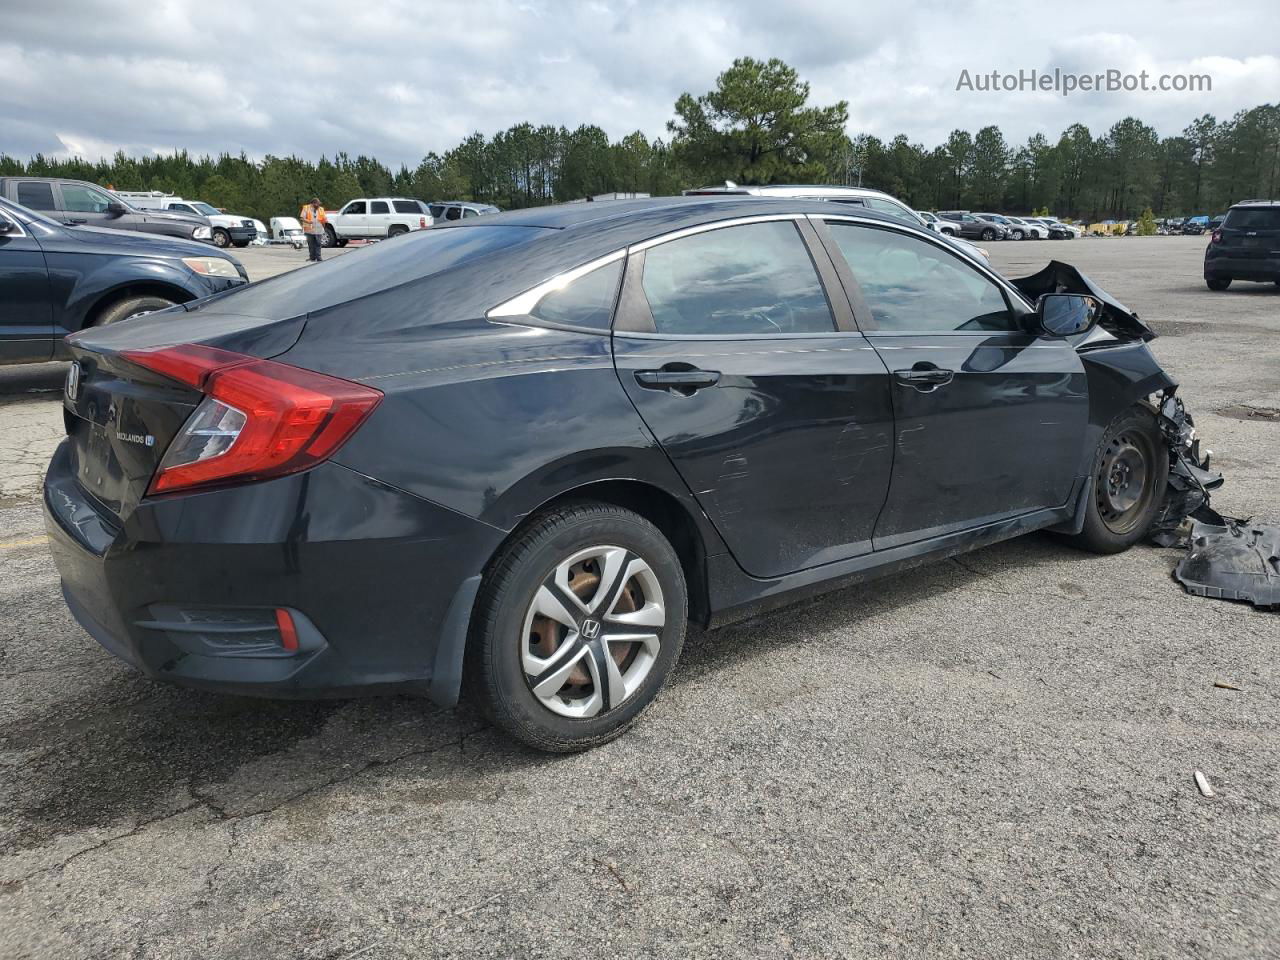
<point x="988" y="757"/>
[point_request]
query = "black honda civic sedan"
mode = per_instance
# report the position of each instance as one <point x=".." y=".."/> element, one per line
<point x="519" y="454"/>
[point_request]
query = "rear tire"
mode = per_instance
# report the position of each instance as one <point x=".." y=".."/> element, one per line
<point x="221" y="238"/>
<point x="131" y="307"/>
<point x="1130" y="472"/>
<point x="241" y="243"/>
<point x="1220" y="283"/>
<point x="396" y="231"/>
<point x="988" y="234"/>
<point x="556" y="681"/>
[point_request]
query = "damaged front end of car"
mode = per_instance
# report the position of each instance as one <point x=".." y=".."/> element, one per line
<point x="1190" y="479"/>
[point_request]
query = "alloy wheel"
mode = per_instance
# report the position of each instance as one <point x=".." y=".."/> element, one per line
<point x="592" y="631"/>
<point x="1124" y="489"/>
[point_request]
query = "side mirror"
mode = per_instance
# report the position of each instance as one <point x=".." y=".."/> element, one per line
<point x="1066" y="314"/>
<point x="117" y="209"/>
<point x="6" y="225"/>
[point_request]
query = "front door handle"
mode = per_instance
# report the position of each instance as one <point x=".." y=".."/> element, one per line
<point x="925" y="377"/>
<point x="685" y="382"/>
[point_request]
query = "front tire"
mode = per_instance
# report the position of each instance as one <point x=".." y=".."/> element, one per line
<point x="131" y="307"/>
<point x="1130" y="472"/>
<point x="329" y="238"/>
<point x="1218" y="283"/>
<point x="579" y="621"/>
<point x="241" y="243"/>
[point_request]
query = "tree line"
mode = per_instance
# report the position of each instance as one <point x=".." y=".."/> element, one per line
<point x="756" y="126"/>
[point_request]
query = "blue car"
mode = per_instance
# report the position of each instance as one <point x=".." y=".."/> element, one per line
<point x="56" y="279"/>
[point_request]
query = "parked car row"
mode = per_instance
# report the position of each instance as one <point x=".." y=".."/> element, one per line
<point x="997" y="226"/>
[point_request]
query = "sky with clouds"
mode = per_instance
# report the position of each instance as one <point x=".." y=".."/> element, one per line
<point x="396" y="78"/>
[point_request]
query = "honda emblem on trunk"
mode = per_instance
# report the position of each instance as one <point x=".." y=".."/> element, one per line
<point x="73" y="380"/>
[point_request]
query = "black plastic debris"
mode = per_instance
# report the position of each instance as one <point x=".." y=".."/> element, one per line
<point x="1190" y="479"/>
<point x="1234" y="560"/>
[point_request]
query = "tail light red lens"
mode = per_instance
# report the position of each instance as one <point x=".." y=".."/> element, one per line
<point x="259" y="418"/>
<point x="1216" y="237"/>
<point x="422" y="223"/>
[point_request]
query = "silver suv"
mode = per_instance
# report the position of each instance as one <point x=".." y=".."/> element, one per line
<point x="460" y="209"/>
<point x="875" y="200"/>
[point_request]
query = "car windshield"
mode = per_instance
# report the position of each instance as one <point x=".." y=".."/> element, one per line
<point x="207" y="210"/>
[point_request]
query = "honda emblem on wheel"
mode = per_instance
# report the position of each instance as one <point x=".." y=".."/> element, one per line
<point x="591" y="629"/>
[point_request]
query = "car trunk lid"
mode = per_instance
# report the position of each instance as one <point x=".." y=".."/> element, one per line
<point x="120" y="418"/>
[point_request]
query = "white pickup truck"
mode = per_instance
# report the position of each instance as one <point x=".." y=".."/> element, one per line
<point x="375" y="217"/>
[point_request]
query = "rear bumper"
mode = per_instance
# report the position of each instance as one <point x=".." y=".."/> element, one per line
<point x="1242" y="268"/>
<point x="379" y="583"/>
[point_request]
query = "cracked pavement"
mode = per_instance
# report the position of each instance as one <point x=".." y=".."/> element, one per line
<point x="991" y="756"/>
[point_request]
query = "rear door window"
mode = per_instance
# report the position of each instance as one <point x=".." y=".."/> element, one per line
<point x="754" y="279"/>
<point x="379" y="206"/>
<point x="406" y="206"/>
<point x="36" y="194"/>
<point x="912" y="285"/>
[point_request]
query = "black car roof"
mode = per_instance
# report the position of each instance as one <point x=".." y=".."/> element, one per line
<point x="636" y="220"/>
<point x="1256" y="203"/>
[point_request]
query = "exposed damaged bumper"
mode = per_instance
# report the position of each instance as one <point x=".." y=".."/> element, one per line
<point x="1190" y="479"/>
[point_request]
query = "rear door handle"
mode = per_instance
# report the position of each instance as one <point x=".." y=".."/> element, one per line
<point x="685" y="382"/>
<point x="925" y="377"/>
<point x="72" y="221"/>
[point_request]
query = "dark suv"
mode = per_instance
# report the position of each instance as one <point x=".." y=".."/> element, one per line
<point x="1246" y="246"/>
<point x="56" y="279"/>
<point x="76" y="203"/>
<point x="971" y="226"/>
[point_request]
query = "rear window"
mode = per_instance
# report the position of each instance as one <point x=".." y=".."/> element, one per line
<point x="35" y="194"/>
<point x="1254" y="218"/>
<point x="406" y="206"/>
<point x="418" y="254"/>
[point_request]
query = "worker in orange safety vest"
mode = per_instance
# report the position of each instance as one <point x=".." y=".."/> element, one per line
<point x="313" y="225"/>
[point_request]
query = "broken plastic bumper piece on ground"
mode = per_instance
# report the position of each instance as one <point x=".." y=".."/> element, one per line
<point x="1234" y="560"/>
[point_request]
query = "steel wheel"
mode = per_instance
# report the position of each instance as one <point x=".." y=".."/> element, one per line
<point x="592" y="632"/>
<point x="1124" y="487"/>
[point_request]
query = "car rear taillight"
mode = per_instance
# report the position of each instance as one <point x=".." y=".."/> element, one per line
<point x="422" y="223"/>
<point x="258" y="419"/>
<point x="1216" y="237"/>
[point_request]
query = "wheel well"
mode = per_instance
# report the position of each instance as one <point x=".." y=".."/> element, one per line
<point x="667" y="514"/>
<point x="109" y="300"/>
